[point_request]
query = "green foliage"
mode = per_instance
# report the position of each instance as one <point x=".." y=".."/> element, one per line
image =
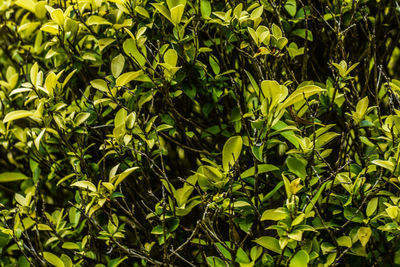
<point x="195" y="133"/>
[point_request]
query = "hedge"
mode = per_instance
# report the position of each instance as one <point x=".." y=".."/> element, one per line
<point x="199" y="133"/>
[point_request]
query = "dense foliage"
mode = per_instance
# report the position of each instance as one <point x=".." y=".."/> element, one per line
<point x="195" y="133"/>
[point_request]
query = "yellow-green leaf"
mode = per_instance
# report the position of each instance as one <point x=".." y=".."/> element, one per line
<point x="6" y="177"/>
<point x="301" y="94"/>
<point x="70" y="245"/>
<point x="27" y="4"/>
<point x="371" y="206"/>
<point x="81" y="118"/>
<point x="171" y="57"/>
<point x="53" y="259"/>
<point x="176" y="13"/>
<point x="39" y="138"/>
<point x="100" y="84"/>
<point x="287" y="186"/>
<point x="142" y="11"/>
<point x="300" y="259"/>
<point x="364" y="233"/>
<point x="393" y="212"/>
<point x="262" y="168"/>
<point x="270" y="243"/>
<point x="34" y="72"/>
<point x="163" y="10"/>
<point x="231" y="152"/>
<point x="344" y="241"/>
<point x="97" y="20"/>
<point x="103" y="43"/>
<point x="384" y="163"/>
<point x="50" y="28"/>
<point x="57" y="16"/>
<point x="17" y="114"/>
<point x="86" y="185"/>
<point x="50" y="83"/>
<point x="117" y="65"/>
<point x="361" y="109"/>
<point x="123" y="175"/>
<point x="44" y="227"/>
<point x="274" y="215"/>
<point x="127" y="77"/>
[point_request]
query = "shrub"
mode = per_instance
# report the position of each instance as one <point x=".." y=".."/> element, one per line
<point x="251" y="133"/>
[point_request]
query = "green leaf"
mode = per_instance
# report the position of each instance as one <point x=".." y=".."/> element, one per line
<point x="123" y="175"/>
<point x="70" y="245"/>
<point x="57" y="16"/>
<point x="85" y="185"/>
<point x="50" y="83"/>
<point x="351" y="68"/>
<point x="384" y="164"/>
<point x="372" y="206"/>
<point x="120" y="117"/>
<point x="17" y="114"/>
<point x="257" y="12"/>
<point x="131" y="49"/>
<point x="304" y="34"/>
<point x="27" y="4"/>
<point x="270" y="243"/>
<point x="364" y="233"/>
<point x="325" y="138"/>
<point x="253" y="35"/>
<point x="224" y="250"/>
<point x="117" y="65"/>
<point x="301" y="94"/>
<point x="274" y="92"/>
<point x="6" y="177"/>
<point x="344" y="241"/>
<point x="291" y="7"/>
<point x="176" y="13"/>
<point x="315" y="198"/>
<point x="351" y="214"/>
<point x="231" y="152"/>
<point x="241" y="256"/>
<point x="97" y="20"/>
<point x="116" y="262"/>
<point x="163" y="10"/>
<point x="67" y="260"/>
<point x="393" y="212"/>
<point x="215" y="262"/>
<point x="300" y="259"/>
<point x="297" y="166"/>
<point x="34" y="73"/>
<point x="39" y="138"/>
<point x="256" y="252"/>
<point x="262" y="168"/>
<point x="276" y="31"/>
<point x="128" y="77"/>
<point x="142" y="11"/>
<point x="171" y="57"/>
<point x="361" y="109"/>
<point x="214" y="63"/>
<point x="103" y="43"/>
<point x="253" y="82"/>
<point x="289" y="135"/>
<point x="100" y="84"/>
<point x="299" y="219"/>
<point x="288" y="190"/>
<point x="282" y="41"/>
<point x="53" y="259"/>
<point x="210" y="173"/>
<point x="274" y="214"/>
<point x="81" y="118"/>
<point x="205" y="9"/>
